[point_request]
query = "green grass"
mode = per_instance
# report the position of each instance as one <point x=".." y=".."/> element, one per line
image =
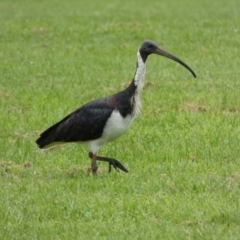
<point x="183" y="152"/>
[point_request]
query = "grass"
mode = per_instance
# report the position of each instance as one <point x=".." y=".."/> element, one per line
<point x="182" y="152"/>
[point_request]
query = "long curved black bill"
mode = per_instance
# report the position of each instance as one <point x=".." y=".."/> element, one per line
<point x="166" y="54"/>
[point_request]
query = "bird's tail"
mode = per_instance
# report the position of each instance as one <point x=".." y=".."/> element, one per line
<point x="49" y="137"/>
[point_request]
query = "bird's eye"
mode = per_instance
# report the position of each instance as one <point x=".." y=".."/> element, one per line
<point x="150" y="45"/>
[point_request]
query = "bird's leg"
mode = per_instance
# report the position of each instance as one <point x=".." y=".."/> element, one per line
<point x="112" y="161"/>
<point x="94" y="163"/>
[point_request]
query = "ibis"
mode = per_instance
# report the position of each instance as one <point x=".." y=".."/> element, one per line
<point x="106" y="119"/>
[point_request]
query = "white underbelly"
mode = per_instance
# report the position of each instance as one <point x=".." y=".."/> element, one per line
<point x="115" y="127"/>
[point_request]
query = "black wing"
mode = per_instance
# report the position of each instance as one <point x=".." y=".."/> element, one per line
<point x="86" y="123"/>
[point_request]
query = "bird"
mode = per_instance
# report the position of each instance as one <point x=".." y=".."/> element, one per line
<point x="105" y="119"/>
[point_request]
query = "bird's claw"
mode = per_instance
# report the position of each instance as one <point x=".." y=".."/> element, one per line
<point x="112" y="161"/>
<point x="117" y="165"/>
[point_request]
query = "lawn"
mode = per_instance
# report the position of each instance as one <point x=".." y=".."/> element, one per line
<point x="182" y="152"/>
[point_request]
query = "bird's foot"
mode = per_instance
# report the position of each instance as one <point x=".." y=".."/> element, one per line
<point x="112" y="162"/>
<point x="94" y="169"/>
<point x="94" y="166"/>
<point x="116" y="164"/>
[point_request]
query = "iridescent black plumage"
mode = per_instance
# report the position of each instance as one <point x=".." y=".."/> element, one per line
<point x="87" y="122"/>
<point x="105" y="119"/>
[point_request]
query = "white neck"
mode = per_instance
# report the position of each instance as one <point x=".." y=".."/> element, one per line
<point x="139" y="82"/>
<point x="140" y="72"/>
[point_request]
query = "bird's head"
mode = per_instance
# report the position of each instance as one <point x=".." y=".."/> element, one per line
<point x="148" y="47"/>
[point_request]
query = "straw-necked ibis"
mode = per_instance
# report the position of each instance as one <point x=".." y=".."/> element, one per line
<point x="108" y="118"/>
